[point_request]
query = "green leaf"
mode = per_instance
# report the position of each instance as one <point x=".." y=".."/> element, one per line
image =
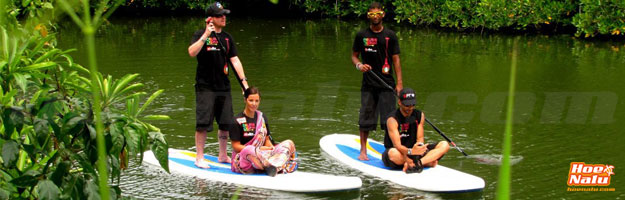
<point x="156" y="117"/>
<point x="55" y="127"/>
<point x="123" y="82"/>
<point x="150" y="99"/>
<point x="4" y="194"/>
<point x="10" y="151"/>
<point x="160" y="149"/>
<point x="48" y="190"/>
<point x="117" y="138"/>
<point x="21" y="80"/>
<point x="47" y="55"/>
<point x="17" y="117"/>
<point x="37" y="94"/>
<point x="80" y="68"/>
<point x="91" y="190"/>
<point x="132" y="106"/>
<point x="5" y="44"/>
<point x="3" y="64"/>
<point x="49" y="160"/>
<point x="24" y="181"/>
<point x="80" y="88"/>
<point x="114" y="165"/>
<point x="30" y="150"/>
<point x="42" y="131"/>
<point x="61" y="170"/>
<point x="47" y="5"/>
<point x="132" y="139"/>
<point x="37" y="66"/>
<point x="25" y="3"/>
<point x="151" y="128"/>
<point x="118" y="96"/>
<point x="73" y="126"/>
<point x="9" y="126"/>
<point x="143" y="136"/>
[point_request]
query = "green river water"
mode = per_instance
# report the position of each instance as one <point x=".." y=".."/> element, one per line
<point x="568" y="102"/>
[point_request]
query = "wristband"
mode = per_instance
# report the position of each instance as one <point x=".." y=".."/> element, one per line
<point x="358" y="66"/>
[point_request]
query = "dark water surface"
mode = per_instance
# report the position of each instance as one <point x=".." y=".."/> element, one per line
<point x="569" y="105"/>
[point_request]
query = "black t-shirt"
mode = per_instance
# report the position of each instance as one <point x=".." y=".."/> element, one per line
<point x="407" y="128"/>
<point x="377" y="49"/>
<point x="245" y="128"/>
<point x="212" y="70"/>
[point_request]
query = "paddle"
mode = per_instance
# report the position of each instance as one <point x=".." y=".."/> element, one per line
<point x="426" y="120"/>
<point x="236" y="74"/>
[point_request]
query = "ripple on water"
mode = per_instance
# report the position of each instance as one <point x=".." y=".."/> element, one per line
<point x="494" y="159"/>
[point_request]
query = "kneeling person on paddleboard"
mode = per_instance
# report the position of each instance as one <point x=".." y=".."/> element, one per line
<point x="253" y="145"/>
<point x="404" y="142"/>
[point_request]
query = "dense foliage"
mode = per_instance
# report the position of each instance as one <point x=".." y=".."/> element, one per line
<point x="588" y="17"/>
<point x="47" y="133"/>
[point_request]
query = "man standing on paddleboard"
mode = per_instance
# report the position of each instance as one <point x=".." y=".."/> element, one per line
<point x="404" y="141"/>
<point x="214" y="48"/>
<point x="379" y="48"/>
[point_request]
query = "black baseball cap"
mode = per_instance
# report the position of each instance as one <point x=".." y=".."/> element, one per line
<point x="407" y="97"/>
<point x="216" y="9"/>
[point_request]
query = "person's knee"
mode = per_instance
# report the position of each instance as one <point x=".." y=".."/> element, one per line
<point x="395" y="156"/>
<point x="248" y="150"/>
<point x="290" y="144"/>
<point x="443" y="145"/>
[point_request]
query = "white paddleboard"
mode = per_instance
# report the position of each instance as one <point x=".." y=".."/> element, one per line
<point x="346" y="149"/>
<point x="183" y="162"/>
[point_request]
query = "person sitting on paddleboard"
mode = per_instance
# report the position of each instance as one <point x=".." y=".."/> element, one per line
<point x="404" y="142"/>
<point x="253" y="145"/>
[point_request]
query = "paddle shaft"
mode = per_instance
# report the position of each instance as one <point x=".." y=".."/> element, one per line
<point x="426" y="120"/>
<point x="446" y="138"/>
<point x="236" y="74"/>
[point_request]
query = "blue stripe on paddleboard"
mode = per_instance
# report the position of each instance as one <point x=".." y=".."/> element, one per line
<point x="377" y="146"/>
<point x="212" y="158"/>
<point x="191" y="164"/>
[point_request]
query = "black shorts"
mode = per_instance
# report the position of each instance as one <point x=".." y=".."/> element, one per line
<point x="374" y="104"/>
<point x="387" y="161"/>
<point x="210" y="104"/>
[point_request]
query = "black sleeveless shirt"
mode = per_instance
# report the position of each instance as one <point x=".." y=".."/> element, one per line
<point x="407" y="128"/>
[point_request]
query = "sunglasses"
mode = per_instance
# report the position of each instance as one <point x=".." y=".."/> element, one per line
<point x="218" y="16"/>
<point x="375" y="14"/>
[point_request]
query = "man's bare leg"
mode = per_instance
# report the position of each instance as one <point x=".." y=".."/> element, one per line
<point x="223" y="146"/>
<point x="363" y="145"/>
<point x="200" y="139"/>
<point x="431" y="158"/>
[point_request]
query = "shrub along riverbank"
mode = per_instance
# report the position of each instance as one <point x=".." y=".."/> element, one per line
<point x="588" y="18"/>
<point x="49" y="134"/>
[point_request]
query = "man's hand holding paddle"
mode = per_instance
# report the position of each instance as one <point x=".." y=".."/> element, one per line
<point x="364" y="67"/>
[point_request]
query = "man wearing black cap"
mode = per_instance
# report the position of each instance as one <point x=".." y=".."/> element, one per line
<point x="379" y="48"/>
<point x="213" y="48"/>
<point x="404" y="130"/>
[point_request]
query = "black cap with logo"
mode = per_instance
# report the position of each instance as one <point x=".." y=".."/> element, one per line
<point x="407" y="97"/>
<point x="216" y="9"/>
